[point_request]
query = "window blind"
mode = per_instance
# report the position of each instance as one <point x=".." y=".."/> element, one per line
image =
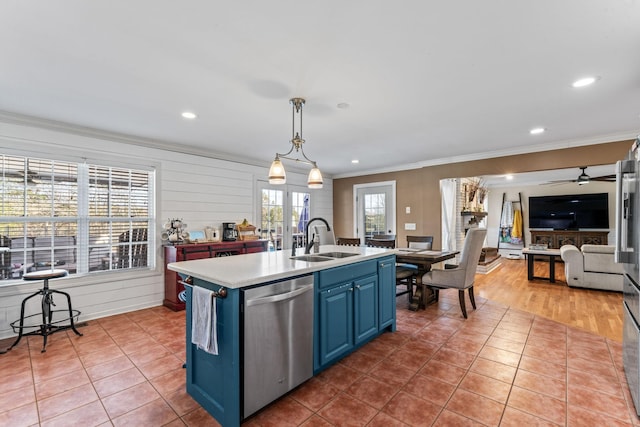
<point x="84" y="218"/>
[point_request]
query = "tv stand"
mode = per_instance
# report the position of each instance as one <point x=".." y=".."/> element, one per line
<point x="554" y="239"/>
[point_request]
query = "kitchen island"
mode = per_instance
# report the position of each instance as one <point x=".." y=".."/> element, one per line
<point x="352" y="300"/>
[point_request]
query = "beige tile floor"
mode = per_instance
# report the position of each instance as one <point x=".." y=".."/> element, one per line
<point x="501" y="366"/>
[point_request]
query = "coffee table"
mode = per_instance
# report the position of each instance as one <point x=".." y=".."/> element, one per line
<point x="530" y="254"/>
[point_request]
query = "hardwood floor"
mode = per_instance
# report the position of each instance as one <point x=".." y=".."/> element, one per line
<point x="597" y="311"/>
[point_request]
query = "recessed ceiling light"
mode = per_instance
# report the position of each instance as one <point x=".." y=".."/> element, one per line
<point x="189" y="115"/>
<point x="537" y="131"/>
<point x="586" y="81"/>
<point x="355" y="161"/>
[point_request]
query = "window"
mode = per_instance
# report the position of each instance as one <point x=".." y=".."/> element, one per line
<point x="284" y="214"/>
<point x="75" y="216"/>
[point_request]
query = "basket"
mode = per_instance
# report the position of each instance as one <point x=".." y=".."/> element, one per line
<point x="247" y="232"/>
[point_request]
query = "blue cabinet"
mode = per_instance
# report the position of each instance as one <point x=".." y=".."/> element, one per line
<point x="336" y="317"/>
<point x="365" y="308"/>
<point x="353" y="305"/>
<point x="387" y="293"/>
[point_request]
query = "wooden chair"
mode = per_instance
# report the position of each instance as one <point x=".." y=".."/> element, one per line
<point x="6" y="267"/>
<point x="463" y="275"/>
<point x="138" y="251"/>
<point x="405" y="276"/>
<point x="348" y="241"/>
<point x="383" y="237"/>
<point x="420" y="242"/>
<point x="375" y="243"/>
<point x="406" y="273"/>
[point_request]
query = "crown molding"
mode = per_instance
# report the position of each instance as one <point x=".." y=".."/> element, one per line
<point x="558" y="145"/>
<point x="171" y="146"/>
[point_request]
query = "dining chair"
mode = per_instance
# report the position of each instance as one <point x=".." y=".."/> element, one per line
<point x="405" y="276"/>
<point x="383" y="237"/>
<point x="348" y="241"/>
<point x="420" y="242"/>
<point x="463" y="275"/>
<point x="6" y="267"/>
<point x="375" y="243"/>
<point x="128" y="246"/>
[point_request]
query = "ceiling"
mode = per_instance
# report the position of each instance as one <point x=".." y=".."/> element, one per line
<point x="426" y="82"/>
<point x="552" y="178"/>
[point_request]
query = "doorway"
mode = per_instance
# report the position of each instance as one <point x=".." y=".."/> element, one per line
<point x="374" y="209"/>
<point x="283" y="213"/>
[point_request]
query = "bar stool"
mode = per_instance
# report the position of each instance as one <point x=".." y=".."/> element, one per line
<point x="48" y="325"/>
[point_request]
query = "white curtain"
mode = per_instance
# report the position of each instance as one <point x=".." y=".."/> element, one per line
<point x="449" y="211"/>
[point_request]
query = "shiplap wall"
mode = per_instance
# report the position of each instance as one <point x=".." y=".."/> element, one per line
<point x="201" y="190"/>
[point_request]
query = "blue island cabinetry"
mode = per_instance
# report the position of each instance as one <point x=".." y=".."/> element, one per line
<point x="353" y="304"/>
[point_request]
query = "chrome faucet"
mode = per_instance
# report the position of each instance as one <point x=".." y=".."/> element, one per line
<point x="307" y="249"/>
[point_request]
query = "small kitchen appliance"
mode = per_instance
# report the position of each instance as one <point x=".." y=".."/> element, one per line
<point x="229" y="232"/>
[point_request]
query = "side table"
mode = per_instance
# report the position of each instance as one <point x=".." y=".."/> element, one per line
<point x="530" y="254"/>
<point x="48" y="325"/>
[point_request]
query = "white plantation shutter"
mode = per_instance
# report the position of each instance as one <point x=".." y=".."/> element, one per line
<point x="80" y="217"/>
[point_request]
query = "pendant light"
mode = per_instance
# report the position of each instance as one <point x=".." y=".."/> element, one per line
<point x="277" y="174"/>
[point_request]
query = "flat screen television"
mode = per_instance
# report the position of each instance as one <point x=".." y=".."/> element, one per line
<point x="570" y="212"/>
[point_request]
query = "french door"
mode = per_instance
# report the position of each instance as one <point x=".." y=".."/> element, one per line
<point x="374" y="209"/>
<point x="283" y="213"/>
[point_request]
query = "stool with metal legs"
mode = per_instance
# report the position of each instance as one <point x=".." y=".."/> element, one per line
<point x="48" y="325"/>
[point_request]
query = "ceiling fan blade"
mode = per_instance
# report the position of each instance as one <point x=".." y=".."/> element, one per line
<point x="562" y="181"/>
<point x="604" y="178"/>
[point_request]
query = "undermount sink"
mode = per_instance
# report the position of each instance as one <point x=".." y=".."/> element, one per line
<point x="337" y="254"/>
<point x="311" y="258"/>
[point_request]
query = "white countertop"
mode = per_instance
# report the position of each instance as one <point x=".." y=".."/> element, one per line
<point x="244" y="270"/>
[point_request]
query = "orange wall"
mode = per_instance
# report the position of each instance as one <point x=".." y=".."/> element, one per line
<point x="420" y="188"/>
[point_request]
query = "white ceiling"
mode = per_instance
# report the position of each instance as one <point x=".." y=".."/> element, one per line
<point x="426" y="81"/>
<point x="555" y="177"/>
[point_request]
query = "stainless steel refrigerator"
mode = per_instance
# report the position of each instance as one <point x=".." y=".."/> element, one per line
<point x="628" y="253"/>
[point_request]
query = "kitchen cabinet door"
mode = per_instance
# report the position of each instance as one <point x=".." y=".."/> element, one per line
<point x="386" y="292"/>
<point x="336" y="322"/>
<point x="365" y="308"/>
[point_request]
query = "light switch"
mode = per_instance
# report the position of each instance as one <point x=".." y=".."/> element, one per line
<point x="407" y="209"/>
<point x="409" y="225"/>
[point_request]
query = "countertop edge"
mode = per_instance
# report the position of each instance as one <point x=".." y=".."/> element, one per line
<point x="205" y="269"/>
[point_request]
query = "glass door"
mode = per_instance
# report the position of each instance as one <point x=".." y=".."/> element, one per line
<point x="283" y="214"/>
<point x="375" y="209"/>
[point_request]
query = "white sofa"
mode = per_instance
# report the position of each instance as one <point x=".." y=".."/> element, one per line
<point x="592" y="266"/>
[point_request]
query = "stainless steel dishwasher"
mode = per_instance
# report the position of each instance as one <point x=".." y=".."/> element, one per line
<point x="278" y="340"/>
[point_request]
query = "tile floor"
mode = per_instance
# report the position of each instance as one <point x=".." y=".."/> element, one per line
<point x="499" y="367"/>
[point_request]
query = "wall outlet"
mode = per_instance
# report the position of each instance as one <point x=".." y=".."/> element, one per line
<point x="409" y="225"/>
<point x="407" y="209"/>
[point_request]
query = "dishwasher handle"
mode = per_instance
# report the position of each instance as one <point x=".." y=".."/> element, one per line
<point x="279" y="297"/>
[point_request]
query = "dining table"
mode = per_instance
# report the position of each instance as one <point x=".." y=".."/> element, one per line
<point x="423" y="260"/>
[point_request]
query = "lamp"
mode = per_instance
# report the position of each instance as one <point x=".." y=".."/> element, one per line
<point x="277" y="174"/>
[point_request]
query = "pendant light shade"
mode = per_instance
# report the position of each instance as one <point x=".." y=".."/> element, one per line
<point x="315" y="178"/>
<point x="277" y="174"/>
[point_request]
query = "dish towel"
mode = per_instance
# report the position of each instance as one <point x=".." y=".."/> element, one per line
<point x="204" y="319"/>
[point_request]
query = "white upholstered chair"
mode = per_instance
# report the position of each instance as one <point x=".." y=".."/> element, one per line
<point x="462" y="276"/>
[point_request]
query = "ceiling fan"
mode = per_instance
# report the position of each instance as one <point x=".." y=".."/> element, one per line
<point x="583" y="178"/>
